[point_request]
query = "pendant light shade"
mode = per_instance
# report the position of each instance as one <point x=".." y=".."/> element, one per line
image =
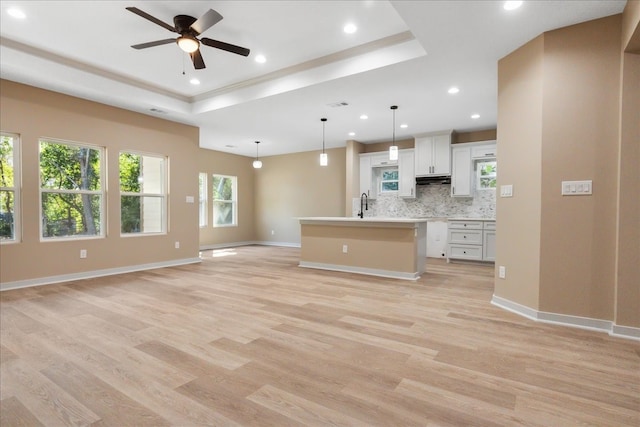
<point x="393" y="150"/>
<point x="257" y="164"/>
<point x="324" y="159"/>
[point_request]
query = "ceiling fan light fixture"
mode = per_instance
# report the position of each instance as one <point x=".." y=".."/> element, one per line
<point x="188" y="44"/>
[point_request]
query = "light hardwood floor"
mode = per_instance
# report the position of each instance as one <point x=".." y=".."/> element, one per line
<point x="249" y="338"/>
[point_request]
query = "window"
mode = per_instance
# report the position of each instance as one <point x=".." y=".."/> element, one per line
<point x="224" y="201"/>
<point x="388" y="180"/>
<point x="143" y="193"/>
<point x="202" y="199"/>
<point x="486" y="174"/>
<point x="9" y="188"/>
<point x="71" y="189"/>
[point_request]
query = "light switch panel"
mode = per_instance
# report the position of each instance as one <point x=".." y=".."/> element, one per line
<point x="506" y="190"/>
<point x="577" y="188"/>
<point x="190" y="199"/>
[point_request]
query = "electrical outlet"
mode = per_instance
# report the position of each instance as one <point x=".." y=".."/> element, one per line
<point x="177" y="245"/>
<point x="273" y="232"/>
<point x="83" y="253"/>
<point x="502" y="272"/>
<point x="345" y="249"/>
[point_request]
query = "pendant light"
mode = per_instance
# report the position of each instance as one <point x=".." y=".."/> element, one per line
<point x="393" y="150"/>
<point x="324" y="161"/>
<point x="257" y="164"/>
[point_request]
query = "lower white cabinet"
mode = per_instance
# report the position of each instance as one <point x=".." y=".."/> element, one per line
<point x="472" y="240"/>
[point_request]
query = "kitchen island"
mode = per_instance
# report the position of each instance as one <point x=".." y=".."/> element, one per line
<point x="387" y="247"/>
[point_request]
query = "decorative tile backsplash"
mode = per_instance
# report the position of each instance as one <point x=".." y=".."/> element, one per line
<point x="432" y="201"/>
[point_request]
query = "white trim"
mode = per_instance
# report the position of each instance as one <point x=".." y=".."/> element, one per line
<point x="285" y="244"/>
<point x="625" y="332"/>
<point x="95" y="273"/>
<point x="587" y="323"/>
<point x="361" y="270"/>
<point x="248" y="243"/>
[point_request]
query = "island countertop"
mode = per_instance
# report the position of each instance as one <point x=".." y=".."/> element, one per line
<point x="363" y="222"/>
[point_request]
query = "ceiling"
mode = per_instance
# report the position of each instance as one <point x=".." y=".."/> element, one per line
<point x="404" y="53"/>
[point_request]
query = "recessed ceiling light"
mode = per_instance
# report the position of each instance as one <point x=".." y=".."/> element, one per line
<point x="404" y="126"/>
<point x="194" y="81"/>
<point x="475" y="116"/>
<point x="512" y="5"/>
<point x="364" y="117"/>
<point x="453" y="90"/>
<point x="350" y="28"/>
<point x="352" y="134"/>
<point x="261" y="59"/>
<point x="16" y="13"/>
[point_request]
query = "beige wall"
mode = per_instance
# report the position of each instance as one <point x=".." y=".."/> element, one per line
<point x="520" y="77"/>
<point x="585" y="248"/>
<point x="580" y="115"/>
<point x="628" y="248"/>
<point x="352" y="174"/>
<point x="295" y="185"/>
<point x="474" y="136"/>
<point x="33" y="113"/>
<point x="215" y="162"/>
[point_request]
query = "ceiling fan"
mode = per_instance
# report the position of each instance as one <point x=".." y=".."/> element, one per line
<point x="189" y="28"/>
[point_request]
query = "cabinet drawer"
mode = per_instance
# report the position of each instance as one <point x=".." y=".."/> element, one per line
<point x="466" y="225"/>
<point x="490" y="225"/>
<point x="465" y="252"/>
<point x="469" y="237"/>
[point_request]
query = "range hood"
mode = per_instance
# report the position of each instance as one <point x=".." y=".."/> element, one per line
<point x="436" y="180"/>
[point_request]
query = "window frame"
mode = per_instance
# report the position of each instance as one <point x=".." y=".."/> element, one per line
<point x="16" y="188"/>
<point x="233" y="201"/>
<point x="381" y="172"/>
<point x="479" y="176"/>
<point x="164" y="195"/>
<point x="203" y="199"/>
<point x="102" y="192"/>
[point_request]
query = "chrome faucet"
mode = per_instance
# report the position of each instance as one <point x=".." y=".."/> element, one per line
<point x="364" y="202"/>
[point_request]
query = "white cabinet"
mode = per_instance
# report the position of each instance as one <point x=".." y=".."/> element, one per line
<point x="472" y="240"/>
<point x="365" y="175"/>
<point x="487" y="150"/>
<point x="489" y="241"/>
<point x="433" y="154"/>
<point x="406" y="174"/>
<point x="372" y="163"/>
<point x="436" y="239"/>
<point x="461" y="172"/>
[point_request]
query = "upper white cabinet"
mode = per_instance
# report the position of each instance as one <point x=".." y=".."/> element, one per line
<point x="365" y="175"/>
<point x="461" y="171"/>
<point x="406" y="172"/>
<point x="433" y="154"/>
<point x="486" y="150"/>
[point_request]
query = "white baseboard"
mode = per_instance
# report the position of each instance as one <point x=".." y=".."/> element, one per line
<point x="568" y="320"/>
<point x="256" y="242"/>
<point x="360" y="270"/>
<point x="95" y="273"/>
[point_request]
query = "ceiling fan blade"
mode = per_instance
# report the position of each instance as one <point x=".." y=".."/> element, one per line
<point x="153" y="19"/>
<point x="198" y="62"/>
<point x="152" y="44"/>
<point x="225" y="46"/>
<point x="206" y="21"/>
